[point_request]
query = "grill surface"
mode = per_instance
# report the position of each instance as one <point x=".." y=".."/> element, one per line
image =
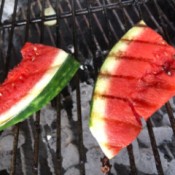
<point x="88" y="29"/>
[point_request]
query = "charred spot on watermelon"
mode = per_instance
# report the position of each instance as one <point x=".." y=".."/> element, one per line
<point x="43" y="72"/>
<point x="136" y="79"/>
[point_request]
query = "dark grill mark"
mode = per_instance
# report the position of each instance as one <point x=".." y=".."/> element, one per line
<point x="137" y="116"/>
<point x="144" y="42"/>
<point x="139" y="102"/>
<point x="111" y="145"/>
<point x="110" y="96"/>
<point x="108" y="75"/>
<point x="166" y="67"/>
<point x="157" y="85"/>
<point x="142" y="102"/>
<point x="121" y="122"/>
<point x="121" y="55"/>
<point x="141" y="25"/>
<point x="144" y="83"/>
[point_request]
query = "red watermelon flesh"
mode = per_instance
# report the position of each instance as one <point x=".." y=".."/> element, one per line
<point x="43" y="72"/>
<point x="35" y="53"/>
<point x="136" y="79"/>
<point x="147" y="80"/>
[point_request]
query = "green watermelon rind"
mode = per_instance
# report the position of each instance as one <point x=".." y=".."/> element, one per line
<point x="63" y="75"/>
<point x="131" y="34"/>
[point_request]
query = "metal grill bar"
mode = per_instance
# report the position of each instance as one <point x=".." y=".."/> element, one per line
<point x="66" y="15"/>
<point x="79" y="27"/>
<point x="110" y="26"/>
<point x="10" y="44"/>
<point x="1" y="9"/>
<point x="27" y="20"/>
<point x="93" y="38"/>
<point x="37" y="121"/>
<point x="58" y="107"/>
<point x="15" y="145"/>
<point x="58" y="145"/>
<point x="96" y="19"/>
<point x="132" y="160"/>
<point x="171" y="116"/>
<point x="69" y="14"/>
<point x="154" y="148"/>
<point x="140" y="9"/>
<point x="163" y="18"/>
<point x="36" y="144"/>
<point x="78" y="97"/>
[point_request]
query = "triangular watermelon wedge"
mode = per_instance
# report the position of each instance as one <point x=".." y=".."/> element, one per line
<point x="40" y="76"/>
<point x="136" y="79"/>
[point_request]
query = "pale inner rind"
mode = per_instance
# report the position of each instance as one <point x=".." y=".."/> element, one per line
<point x="134" y="31"/>
<point x="111" y="63"/>
<point x="101" y="86"/>
<point x="97" y="118"/>
<point x="98" y="109"/>
<point x="36" y="90"/>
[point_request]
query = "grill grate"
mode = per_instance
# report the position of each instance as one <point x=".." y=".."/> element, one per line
<point x="87" y="29"/>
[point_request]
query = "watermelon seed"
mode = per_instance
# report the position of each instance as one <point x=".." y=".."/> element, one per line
<point x="166" y="68"/>
<point x="35" y="50"/>
<point x="169" y="73"/>
<point x="33" y="58"/>
<point x="165" y="53"/>
<point x="0" y="94"/>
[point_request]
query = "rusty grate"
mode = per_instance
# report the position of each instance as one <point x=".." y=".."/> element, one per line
<point x="87" y="29"/>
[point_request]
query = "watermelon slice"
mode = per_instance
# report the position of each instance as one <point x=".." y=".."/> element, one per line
<point x="42" y="74"/>
<point x="136" y="79"/>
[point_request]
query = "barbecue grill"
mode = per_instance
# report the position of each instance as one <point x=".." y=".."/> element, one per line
<point x="56" y="140"/>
